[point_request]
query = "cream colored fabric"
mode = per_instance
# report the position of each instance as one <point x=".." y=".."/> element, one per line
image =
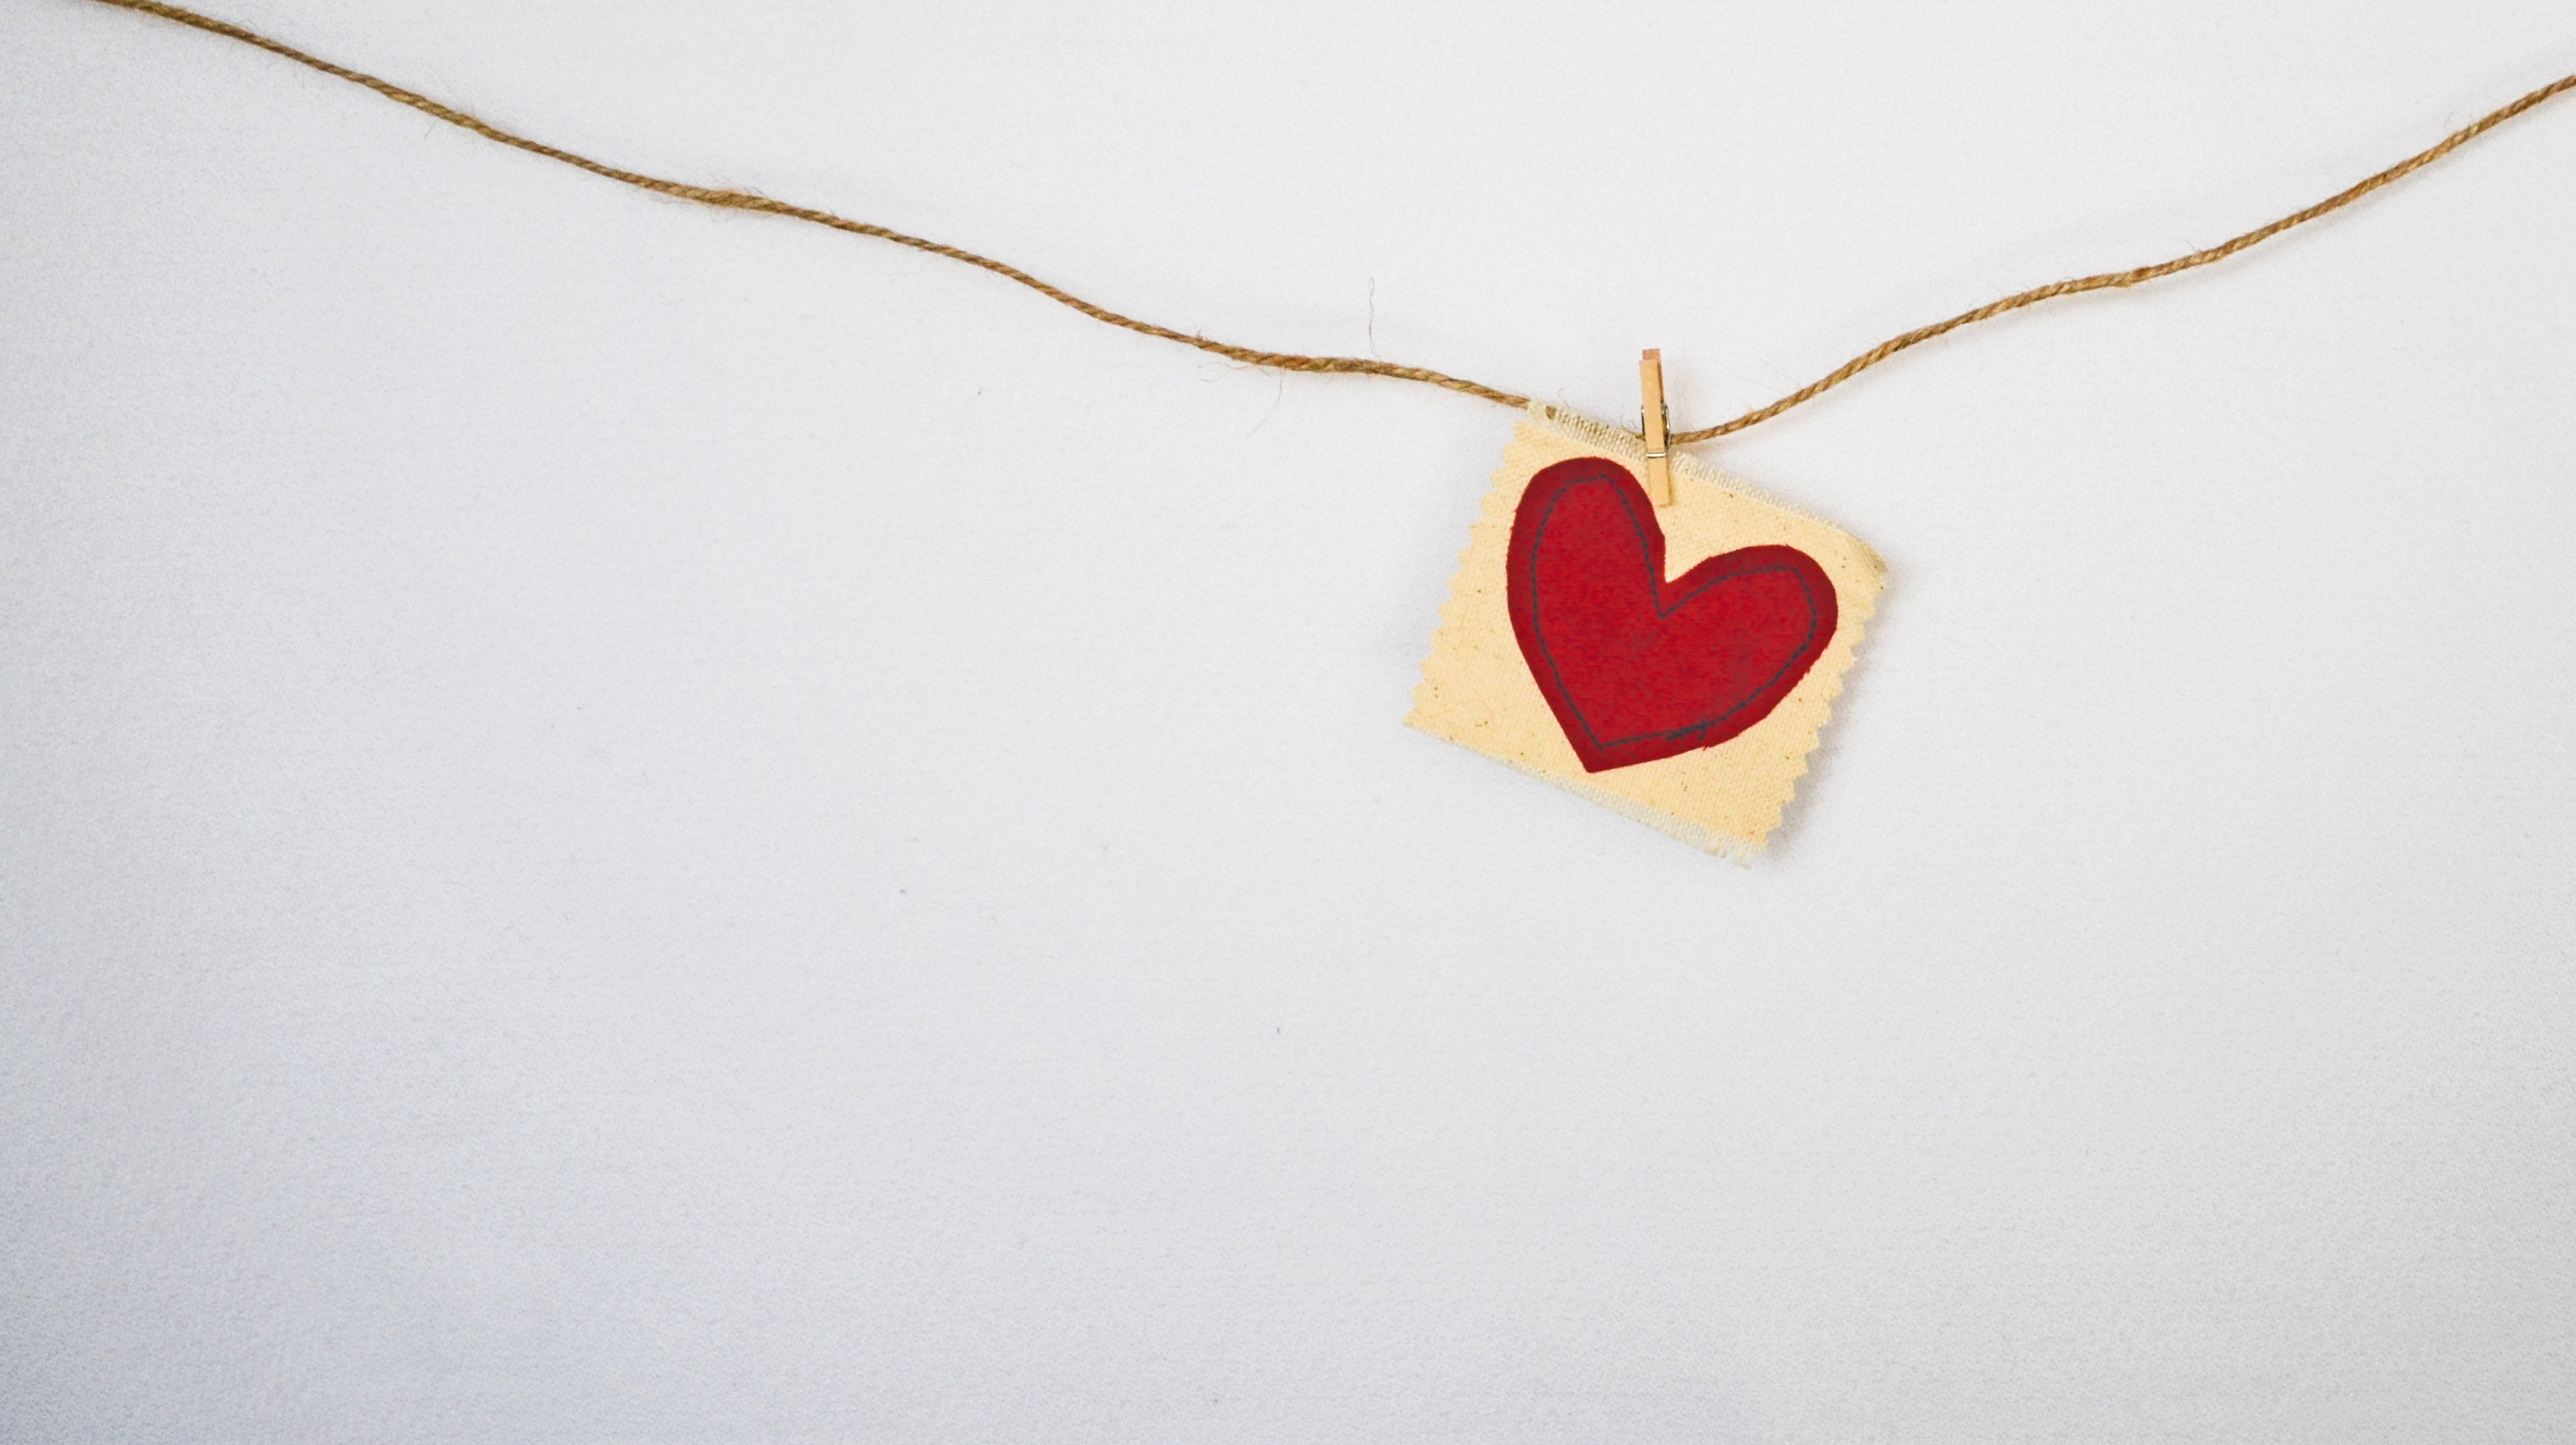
<point x="1476" y="689"/>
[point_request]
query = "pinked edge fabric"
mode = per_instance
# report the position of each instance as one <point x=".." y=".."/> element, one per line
<point x="1476" y="687"/>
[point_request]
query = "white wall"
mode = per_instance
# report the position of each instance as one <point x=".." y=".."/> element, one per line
<point x="626" y="824"/>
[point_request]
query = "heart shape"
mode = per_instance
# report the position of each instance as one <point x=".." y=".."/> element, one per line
<point x="1637" y="668"/>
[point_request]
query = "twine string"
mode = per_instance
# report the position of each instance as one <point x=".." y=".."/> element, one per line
<point x="2121" y="280"/>
<point x="1353" y="365"/>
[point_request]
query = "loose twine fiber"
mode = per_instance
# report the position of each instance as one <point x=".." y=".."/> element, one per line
<point x="1291" y="361"/>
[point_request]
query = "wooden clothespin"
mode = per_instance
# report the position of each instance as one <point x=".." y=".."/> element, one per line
<point x="1658" y="425"/>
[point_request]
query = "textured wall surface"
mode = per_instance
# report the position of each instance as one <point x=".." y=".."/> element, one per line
<point x="626" y="824"/>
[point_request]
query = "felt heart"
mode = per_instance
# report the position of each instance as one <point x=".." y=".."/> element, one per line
<point x="1637" y="668"/>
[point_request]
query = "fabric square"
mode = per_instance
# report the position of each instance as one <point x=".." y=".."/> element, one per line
<point x="1673" y="663"/>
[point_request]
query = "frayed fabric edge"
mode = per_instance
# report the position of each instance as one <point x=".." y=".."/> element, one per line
<point x="1629" y="450"/>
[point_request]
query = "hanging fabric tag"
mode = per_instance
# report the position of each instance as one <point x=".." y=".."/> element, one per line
<point x="1671" y="663"/>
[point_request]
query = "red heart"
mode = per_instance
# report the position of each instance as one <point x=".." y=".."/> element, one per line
<point x="1637" y="668"/>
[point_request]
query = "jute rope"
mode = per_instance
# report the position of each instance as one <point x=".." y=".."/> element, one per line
<point x="1365" y="366"/>
<point x="2121" y="279"/>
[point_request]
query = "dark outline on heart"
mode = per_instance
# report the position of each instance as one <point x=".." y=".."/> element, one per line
<point x="1624" y="643"/>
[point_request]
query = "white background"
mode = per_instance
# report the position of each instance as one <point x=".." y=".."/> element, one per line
<point x="632" y="824"/>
